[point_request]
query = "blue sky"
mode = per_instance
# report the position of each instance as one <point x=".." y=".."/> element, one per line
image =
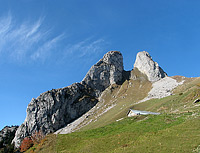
<point x="49" y="44"/>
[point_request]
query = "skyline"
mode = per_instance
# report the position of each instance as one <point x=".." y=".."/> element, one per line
<point x="46" y="45"/>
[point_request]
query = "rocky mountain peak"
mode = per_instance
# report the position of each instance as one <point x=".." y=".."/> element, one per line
<point x="105" y="72"/>
<point x="57" y="108"/>
<point x="112" y="57"/>
<point x="145" y="64"/>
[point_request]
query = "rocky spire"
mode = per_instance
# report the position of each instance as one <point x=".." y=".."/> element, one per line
<point x="105" y="72"/>
<point x="145" y="64"/>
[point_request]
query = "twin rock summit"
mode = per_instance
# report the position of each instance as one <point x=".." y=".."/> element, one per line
<point x="57" y="108"/>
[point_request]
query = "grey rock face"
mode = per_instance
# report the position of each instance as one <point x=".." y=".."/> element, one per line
<point x="55" y="109"/>
<point x="146" y="65"/>
<point x="105" y="72"/>
<point x="7" y="134"/>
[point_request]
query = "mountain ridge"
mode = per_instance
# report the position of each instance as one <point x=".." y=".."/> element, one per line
<point x="58" y="108"/>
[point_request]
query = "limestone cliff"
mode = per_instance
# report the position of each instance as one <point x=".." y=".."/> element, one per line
<point x="105" y="72"/>
<point x="55" y="109"/>
<point x="145" y="64"/>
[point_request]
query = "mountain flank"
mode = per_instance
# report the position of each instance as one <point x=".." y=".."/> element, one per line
<point x="105" y="95"/>
<point x="57" y="108"/>
<point x="176" y="129"/>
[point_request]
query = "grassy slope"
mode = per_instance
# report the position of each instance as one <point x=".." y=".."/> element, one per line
<point x="164" y="133"/>
<point x="176" y="130"/>
<point x="124" y="96"/>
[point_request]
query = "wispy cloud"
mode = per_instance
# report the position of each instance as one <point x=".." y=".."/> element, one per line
<point x="86" y="47"/>
<point x="33" y="41"/>
<point x="44" y="50"/>
<point x="25" y="41"/>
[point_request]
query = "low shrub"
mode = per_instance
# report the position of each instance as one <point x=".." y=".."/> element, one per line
<point x="26" y="144"/>
<point x="37" y="137"/>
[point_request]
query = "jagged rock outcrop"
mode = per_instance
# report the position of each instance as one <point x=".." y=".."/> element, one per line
<point x="145" y="64"/>
<point x="55" y="109"/>
<point x="105" y="72"/>
<point x="6" y="136"/>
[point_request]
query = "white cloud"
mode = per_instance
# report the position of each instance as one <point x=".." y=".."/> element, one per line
<point x="5" y="23"/>
<point x="45" y="49"/>
<point x="31" y="41"/>
<point x="26" y="40"/>
<point x="87" y="47"/>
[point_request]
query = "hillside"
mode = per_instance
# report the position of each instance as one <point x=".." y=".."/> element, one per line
<point x="91" y="116"/>
<point x="175" y="130"/>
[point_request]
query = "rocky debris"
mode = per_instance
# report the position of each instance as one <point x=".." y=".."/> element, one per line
<point x="162" y="88"/>
<point x="57" y="108"/>
<point x="6" y="135"/>
<point x="105" y="72"/>
<point x="72" y="126"/>
<point x="196" y="101"/>
<point x="91" y="116"/>
<point x="145" y="64"/>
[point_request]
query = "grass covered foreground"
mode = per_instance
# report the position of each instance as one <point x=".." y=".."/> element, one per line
<point x="163" y="133"/>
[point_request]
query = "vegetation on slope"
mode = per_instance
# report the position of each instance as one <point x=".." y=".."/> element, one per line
<point x="122" y="97"/>
<point x="163" y="133"/>
<point x="175" y="130"/>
